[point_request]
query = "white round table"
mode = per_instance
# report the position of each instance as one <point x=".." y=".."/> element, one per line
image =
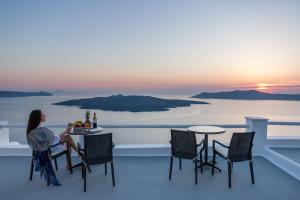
<point x="207" y="130"/>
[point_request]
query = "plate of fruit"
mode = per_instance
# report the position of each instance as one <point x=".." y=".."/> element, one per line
<point x="81" y="127"/>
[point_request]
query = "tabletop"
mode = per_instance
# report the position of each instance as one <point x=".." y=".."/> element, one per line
<point x="207" y="129"/>
<point x="87" y="131"/>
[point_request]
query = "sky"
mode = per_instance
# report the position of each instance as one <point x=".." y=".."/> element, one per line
<point x="150" y="45"/>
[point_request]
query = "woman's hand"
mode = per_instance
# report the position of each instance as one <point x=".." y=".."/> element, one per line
<point x="69" y="128"/>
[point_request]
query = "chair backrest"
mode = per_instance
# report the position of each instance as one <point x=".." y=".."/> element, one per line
<point x="184" y="144"/>
<point x="98" y="148"/>
<point x="240" y="148"/>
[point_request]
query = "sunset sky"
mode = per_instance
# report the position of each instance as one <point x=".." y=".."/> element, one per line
<point x="148" y="45"/>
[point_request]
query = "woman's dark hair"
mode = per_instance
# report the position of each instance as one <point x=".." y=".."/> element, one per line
<point x="34" y="120"/>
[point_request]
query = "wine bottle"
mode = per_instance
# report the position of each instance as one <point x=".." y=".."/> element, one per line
<point x="94" y="121"/>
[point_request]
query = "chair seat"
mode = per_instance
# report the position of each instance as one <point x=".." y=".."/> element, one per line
<point x="222" y="150"/>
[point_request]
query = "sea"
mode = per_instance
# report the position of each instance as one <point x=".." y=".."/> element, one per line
<point x="16" y="111"/>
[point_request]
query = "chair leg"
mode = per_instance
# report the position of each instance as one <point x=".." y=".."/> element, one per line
<point x="112" y="172"/>
<point x="214" y="164"/>
<point x="201" y="162"/>
<point x="171" y="168"/>
<point x="86" y="165"/>
<point x="89" y="168"/>
<point x="229" y="173"/>
<point x="84" y="177"/>
<point x="105" y="168"/>
<point x="251" y="171"/>
<point x="31" y="169"/>
<point x="48" y="182"/>
<point x="55" y="163"/>
<point x="69" y="159"/>
<point x="82" y="173"/>
<point x="180" y="164"/>
<point x="196" y="172"/>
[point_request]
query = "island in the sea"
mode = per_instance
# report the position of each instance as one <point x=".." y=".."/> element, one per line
<point x="247" y="95"/>
<point x="23" y="94"/>
<point x="130" y="103"/>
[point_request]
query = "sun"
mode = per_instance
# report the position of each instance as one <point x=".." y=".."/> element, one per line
<point x="262" y="86"/>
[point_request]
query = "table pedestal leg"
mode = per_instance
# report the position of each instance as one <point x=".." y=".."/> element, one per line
<point x="206" y="148"/>
<point x="206" y="162"/>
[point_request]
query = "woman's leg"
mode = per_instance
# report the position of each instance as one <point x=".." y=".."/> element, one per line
<point x="70" y="141"/>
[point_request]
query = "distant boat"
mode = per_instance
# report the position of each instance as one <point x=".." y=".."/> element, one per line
<point x="247" y="95"/>
<point x="130" y="103"/>
<point x="23" y="94"/>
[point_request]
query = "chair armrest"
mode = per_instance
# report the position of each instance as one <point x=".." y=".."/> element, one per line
<point x="221" y="144"/>
<point x="201" y="143"/>
<point x="84" y="163"/>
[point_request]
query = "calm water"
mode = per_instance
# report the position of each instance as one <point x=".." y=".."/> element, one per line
<point x="16" y="110"/>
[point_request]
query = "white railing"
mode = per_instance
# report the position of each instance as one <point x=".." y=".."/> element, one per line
<point x="136" y="126"/>
<point x="259" y="125"/>
<point x="159" y="145"/>
<point x="280" y="123"/>
<point x="262" y="143"/>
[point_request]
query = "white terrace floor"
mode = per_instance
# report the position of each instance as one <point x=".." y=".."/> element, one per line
<point x="139" y="178"/>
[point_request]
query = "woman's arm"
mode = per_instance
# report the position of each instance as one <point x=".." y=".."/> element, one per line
<point x="68" y="130"/>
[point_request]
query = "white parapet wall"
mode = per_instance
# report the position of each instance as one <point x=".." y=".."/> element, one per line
<point x="283" y="162"/>
<point x="4" y="133"/>
<point x="262" y="144"/>
<point x="260" y="126"/>
<point x="143" y="150"/>
<point x="10" y="148"/>
<point x="283" y="141"/>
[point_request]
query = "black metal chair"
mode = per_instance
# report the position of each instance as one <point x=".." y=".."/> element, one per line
<point x="54" y="157"/>
<point x="98" y="149"/>
<point x="184" y="146"/>
<point x="239" y="150"/>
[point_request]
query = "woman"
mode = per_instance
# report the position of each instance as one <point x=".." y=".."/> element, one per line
<point x="37" y="117"/>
